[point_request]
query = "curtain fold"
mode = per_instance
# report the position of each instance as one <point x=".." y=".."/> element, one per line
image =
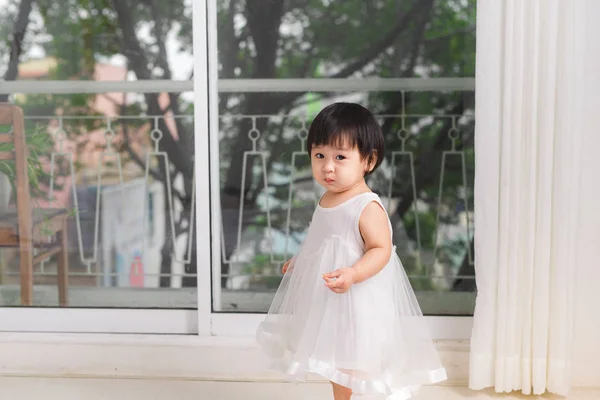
<point x="530" y="133"/>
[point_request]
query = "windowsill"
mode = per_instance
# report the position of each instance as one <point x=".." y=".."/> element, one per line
<point x="162" y="357"/>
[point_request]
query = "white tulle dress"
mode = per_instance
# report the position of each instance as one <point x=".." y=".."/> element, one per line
<point x="372" y="339"/>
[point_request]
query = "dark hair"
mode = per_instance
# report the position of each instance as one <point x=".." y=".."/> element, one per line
<point x="349" y="123"/>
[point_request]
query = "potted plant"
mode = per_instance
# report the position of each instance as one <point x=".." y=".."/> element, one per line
<point x="39" y="143"/>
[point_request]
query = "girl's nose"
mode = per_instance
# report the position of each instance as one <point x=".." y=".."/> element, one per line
<point x="328" y="166"/>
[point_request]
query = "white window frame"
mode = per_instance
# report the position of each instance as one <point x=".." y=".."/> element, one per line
<point x="234" y="324"/>
<point x="206" y="86"/>
<point x="147" y="321"/>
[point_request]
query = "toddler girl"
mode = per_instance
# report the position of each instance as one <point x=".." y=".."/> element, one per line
<point x="345" y="309"/>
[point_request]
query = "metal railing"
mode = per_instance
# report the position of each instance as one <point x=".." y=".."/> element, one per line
<point x="408" y="130"/>
<point x="403" y="150"/>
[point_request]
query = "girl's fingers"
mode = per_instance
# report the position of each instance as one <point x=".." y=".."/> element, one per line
<point x="338" y="286"/>
<point x="334" y="282"/>
<point x="333" y="274"/>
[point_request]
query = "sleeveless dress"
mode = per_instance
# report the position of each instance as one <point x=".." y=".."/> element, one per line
<point x="372" y="339"/>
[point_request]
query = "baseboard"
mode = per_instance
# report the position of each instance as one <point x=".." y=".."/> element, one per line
<point x="163" y="357"/>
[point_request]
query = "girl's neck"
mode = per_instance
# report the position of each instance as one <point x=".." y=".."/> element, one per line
<point x="332" y="199"/>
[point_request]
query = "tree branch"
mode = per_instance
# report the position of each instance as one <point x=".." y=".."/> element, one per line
<point x="159" y="33"/>
<point x="388" y="40"/>
<point x="137" y="59"/>
<point x="441" y="38"/>
<point x="373" y="51"/>
<point x="420" y="35"/>
<point x="264" y="23"/>
<point x="230" y="42"/>
<point x="16" y="43"/>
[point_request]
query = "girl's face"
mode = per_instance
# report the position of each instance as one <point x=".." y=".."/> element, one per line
<point x="338" y="168"/>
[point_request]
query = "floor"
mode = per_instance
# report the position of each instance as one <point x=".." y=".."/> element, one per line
<point x="128" y="389"/>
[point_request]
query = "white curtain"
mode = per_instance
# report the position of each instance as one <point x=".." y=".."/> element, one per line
<point x="537" y="69"/>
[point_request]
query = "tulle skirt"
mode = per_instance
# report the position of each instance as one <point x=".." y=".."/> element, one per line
<point x="372" y="339"/>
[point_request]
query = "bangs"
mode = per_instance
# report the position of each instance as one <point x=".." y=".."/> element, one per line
<point x="338" y="139"/>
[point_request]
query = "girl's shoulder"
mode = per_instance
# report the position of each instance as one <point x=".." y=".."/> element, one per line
<point x="364" y="199"/>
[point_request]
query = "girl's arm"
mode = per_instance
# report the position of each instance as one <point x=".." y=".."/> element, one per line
<point x="375" y="231"/>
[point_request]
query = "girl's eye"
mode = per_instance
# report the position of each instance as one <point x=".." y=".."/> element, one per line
<point x="319" y="155"/>
<point x="339" y="158"/>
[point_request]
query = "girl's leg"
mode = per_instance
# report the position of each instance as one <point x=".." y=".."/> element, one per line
<point x="341" y="392"/>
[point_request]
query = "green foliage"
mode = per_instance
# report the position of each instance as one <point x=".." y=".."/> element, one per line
<point x="39" y="143"/>
<point x="426" y="227"/>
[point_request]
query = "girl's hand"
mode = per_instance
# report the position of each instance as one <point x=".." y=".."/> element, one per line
<point x="286" y="266"/>
<point x="340" y="281"/>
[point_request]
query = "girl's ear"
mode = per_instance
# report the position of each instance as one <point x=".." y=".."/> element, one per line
<point x="372" y="161"/>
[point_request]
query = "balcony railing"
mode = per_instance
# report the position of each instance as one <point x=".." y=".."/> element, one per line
<point x="285" y="191"/>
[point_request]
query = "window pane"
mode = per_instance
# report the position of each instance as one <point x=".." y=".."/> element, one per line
<point x="353" y="38"/>
<point x="118" y="162"/>
<point x="426" y="181"/>
<point x="73" y="39"/>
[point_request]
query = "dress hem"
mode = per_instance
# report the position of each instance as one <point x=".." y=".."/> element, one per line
<point x="295" y="372"/>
